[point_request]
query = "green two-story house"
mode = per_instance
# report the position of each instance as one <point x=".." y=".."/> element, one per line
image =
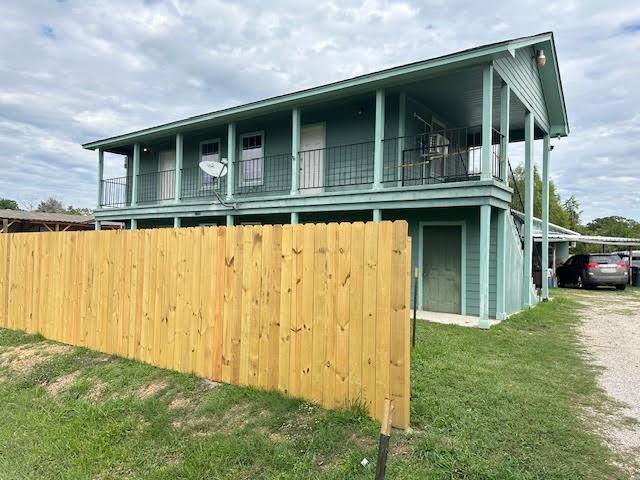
<point x="426" y="142"/>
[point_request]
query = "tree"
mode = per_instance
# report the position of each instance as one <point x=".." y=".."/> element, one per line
<point x="571" y="206"/>
<point x="51" y="205"/>
<point x="558" y="213"/>
<point x="71" y="210"/>
<point x="8" y="204"/>
<point x="614" y="226"/>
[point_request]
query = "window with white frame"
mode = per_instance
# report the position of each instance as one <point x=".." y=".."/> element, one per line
<point x="209" y="150"/>
<point x="252" y="159"/>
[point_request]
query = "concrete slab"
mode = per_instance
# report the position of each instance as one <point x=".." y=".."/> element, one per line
<point x="452" y="319"/>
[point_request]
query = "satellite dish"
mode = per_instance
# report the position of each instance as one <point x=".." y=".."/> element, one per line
<point x="213" y="168"/>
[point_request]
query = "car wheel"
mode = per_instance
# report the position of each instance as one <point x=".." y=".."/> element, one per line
<point x="621" y="287"/>
<point x="579" y="283"/>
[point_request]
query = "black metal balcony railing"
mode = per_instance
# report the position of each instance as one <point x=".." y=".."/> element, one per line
<point x="270" y="175"/>
<point x="343" y="165"/>
<point x="452" y="155"/>
<point x="197" y="184"/>
<point x="116" y="192"/>
<point x="156" y="186"/>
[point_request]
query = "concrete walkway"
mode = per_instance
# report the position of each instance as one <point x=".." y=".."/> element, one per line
<point x="451" y="319"/>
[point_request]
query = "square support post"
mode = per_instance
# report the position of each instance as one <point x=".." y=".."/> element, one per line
<point x="402" y="119"/>
<point x="134" y="224"/>
<point x="177" y="222"/>
<point x="378" y="139"/>
<point x="505" y="103"/>
<point x="178" y="174"/>
<point x="377" y="215"/>
<point x="485" y="241"/>
<point x="529" y="120"/>
<point x="546" y="150"/>
<point x="135" y="173"/>
<point x="487" y="120"/>
<point x="503" y="216"/>
<point x="295" y="218"/>
<point x="295" y="151"/>
<point x="230" y="221"/>
<point x="98" y="224"/>
<point x="231" y="160"/>
<point x="100" y="177"/>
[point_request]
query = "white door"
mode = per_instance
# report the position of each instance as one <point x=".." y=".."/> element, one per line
<point x="167" y="174"/>
<point x="312" y="158"/>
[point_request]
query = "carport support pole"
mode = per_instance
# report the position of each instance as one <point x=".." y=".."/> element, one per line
<point x="485" y="239"/>
<point x="230" y="221"/>
<point x="545" y="218"/>
<point x="528" y="209"/>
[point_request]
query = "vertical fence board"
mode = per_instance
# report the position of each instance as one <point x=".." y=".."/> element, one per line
<point x="316" y="311"/>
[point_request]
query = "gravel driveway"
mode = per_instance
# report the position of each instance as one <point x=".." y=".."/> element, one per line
<point x="610" y="330"/>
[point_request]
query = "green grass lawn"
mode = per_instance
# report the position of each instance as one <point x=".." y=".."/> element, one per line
<point x="499" y="404"/>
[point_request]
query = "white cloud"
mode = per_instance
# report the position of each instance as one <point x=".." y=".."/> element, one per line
<point x="75" y="71"/>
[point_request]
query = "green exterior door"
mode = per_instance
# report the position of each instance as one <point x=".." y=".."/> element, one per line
<point x="441" y="268"/>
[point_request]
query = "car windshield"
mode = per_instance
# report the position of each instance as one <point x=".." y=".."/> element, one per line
<point x="604" y="258"/>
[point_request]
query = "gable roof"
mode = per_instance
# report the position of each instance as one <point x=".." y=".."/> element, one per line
<point x="550" y="78"/>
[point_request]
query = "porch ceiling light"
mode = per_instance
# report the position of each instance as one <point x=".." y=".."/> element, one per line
<point x="540" y="58"/>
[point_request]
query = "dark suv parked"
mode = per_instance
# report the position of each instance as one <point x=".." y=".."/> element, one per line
<point x="593" y="270"/>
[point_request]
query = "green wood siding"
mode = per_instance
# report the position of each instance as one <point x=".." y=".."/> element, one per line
<point x="521" y="73"/>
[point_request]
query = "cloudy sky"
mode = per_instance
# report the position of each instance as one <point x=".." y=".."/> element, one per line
<point x="74" y="71"/>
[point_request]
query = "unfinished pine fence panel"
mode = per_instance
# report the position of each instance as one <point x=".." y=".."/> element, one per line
<point x="316" y="311"/>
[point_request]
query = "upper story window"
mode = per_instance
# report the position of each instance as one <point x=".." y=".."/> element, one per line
<point x="252" y="158"/>
<point x="209" y="150"/>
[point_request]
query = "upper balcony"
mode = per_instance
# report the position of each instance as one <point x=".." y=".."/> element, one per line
<point x="411" y="162"/>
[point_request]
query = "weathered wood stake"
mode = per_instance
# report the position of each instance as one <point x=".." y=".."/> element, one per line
<point x="383" y="443"/>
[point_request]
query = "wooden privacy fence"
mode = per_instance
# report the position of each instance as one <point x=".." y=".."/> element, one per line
<point x="315" y="311"/>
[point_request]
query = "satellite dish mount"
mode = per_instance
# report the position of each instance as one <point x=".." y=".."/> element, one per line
<point x="216" y="170"/>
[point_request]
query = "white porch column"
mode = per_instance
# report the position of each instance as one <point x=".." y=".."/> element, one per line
<point x="378" y="138"/>
<point x="505" y="102"/>
<point x="377" y="215"/>
<point x="100" y="178"/>
<point x="528" y="208"/>
<point x="135" y="172"/>
<point x="295" y="218"/>
<point x="485" y="242"/>
<point x="230" y="221"/>
<point x="546" y="150"/>
<point x="98" y="224"/>
<point x="231" y="160"/>
<point x="487" y="120"/>
<point x="134" y="224"/>
<point x="295" y="151"/>
<point x="177" y="222"/>
<point x="178" y="175"/>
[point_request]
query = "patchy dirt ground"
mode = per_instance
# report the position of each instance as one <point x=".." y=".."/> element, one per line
<point x="610" y="331"/>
